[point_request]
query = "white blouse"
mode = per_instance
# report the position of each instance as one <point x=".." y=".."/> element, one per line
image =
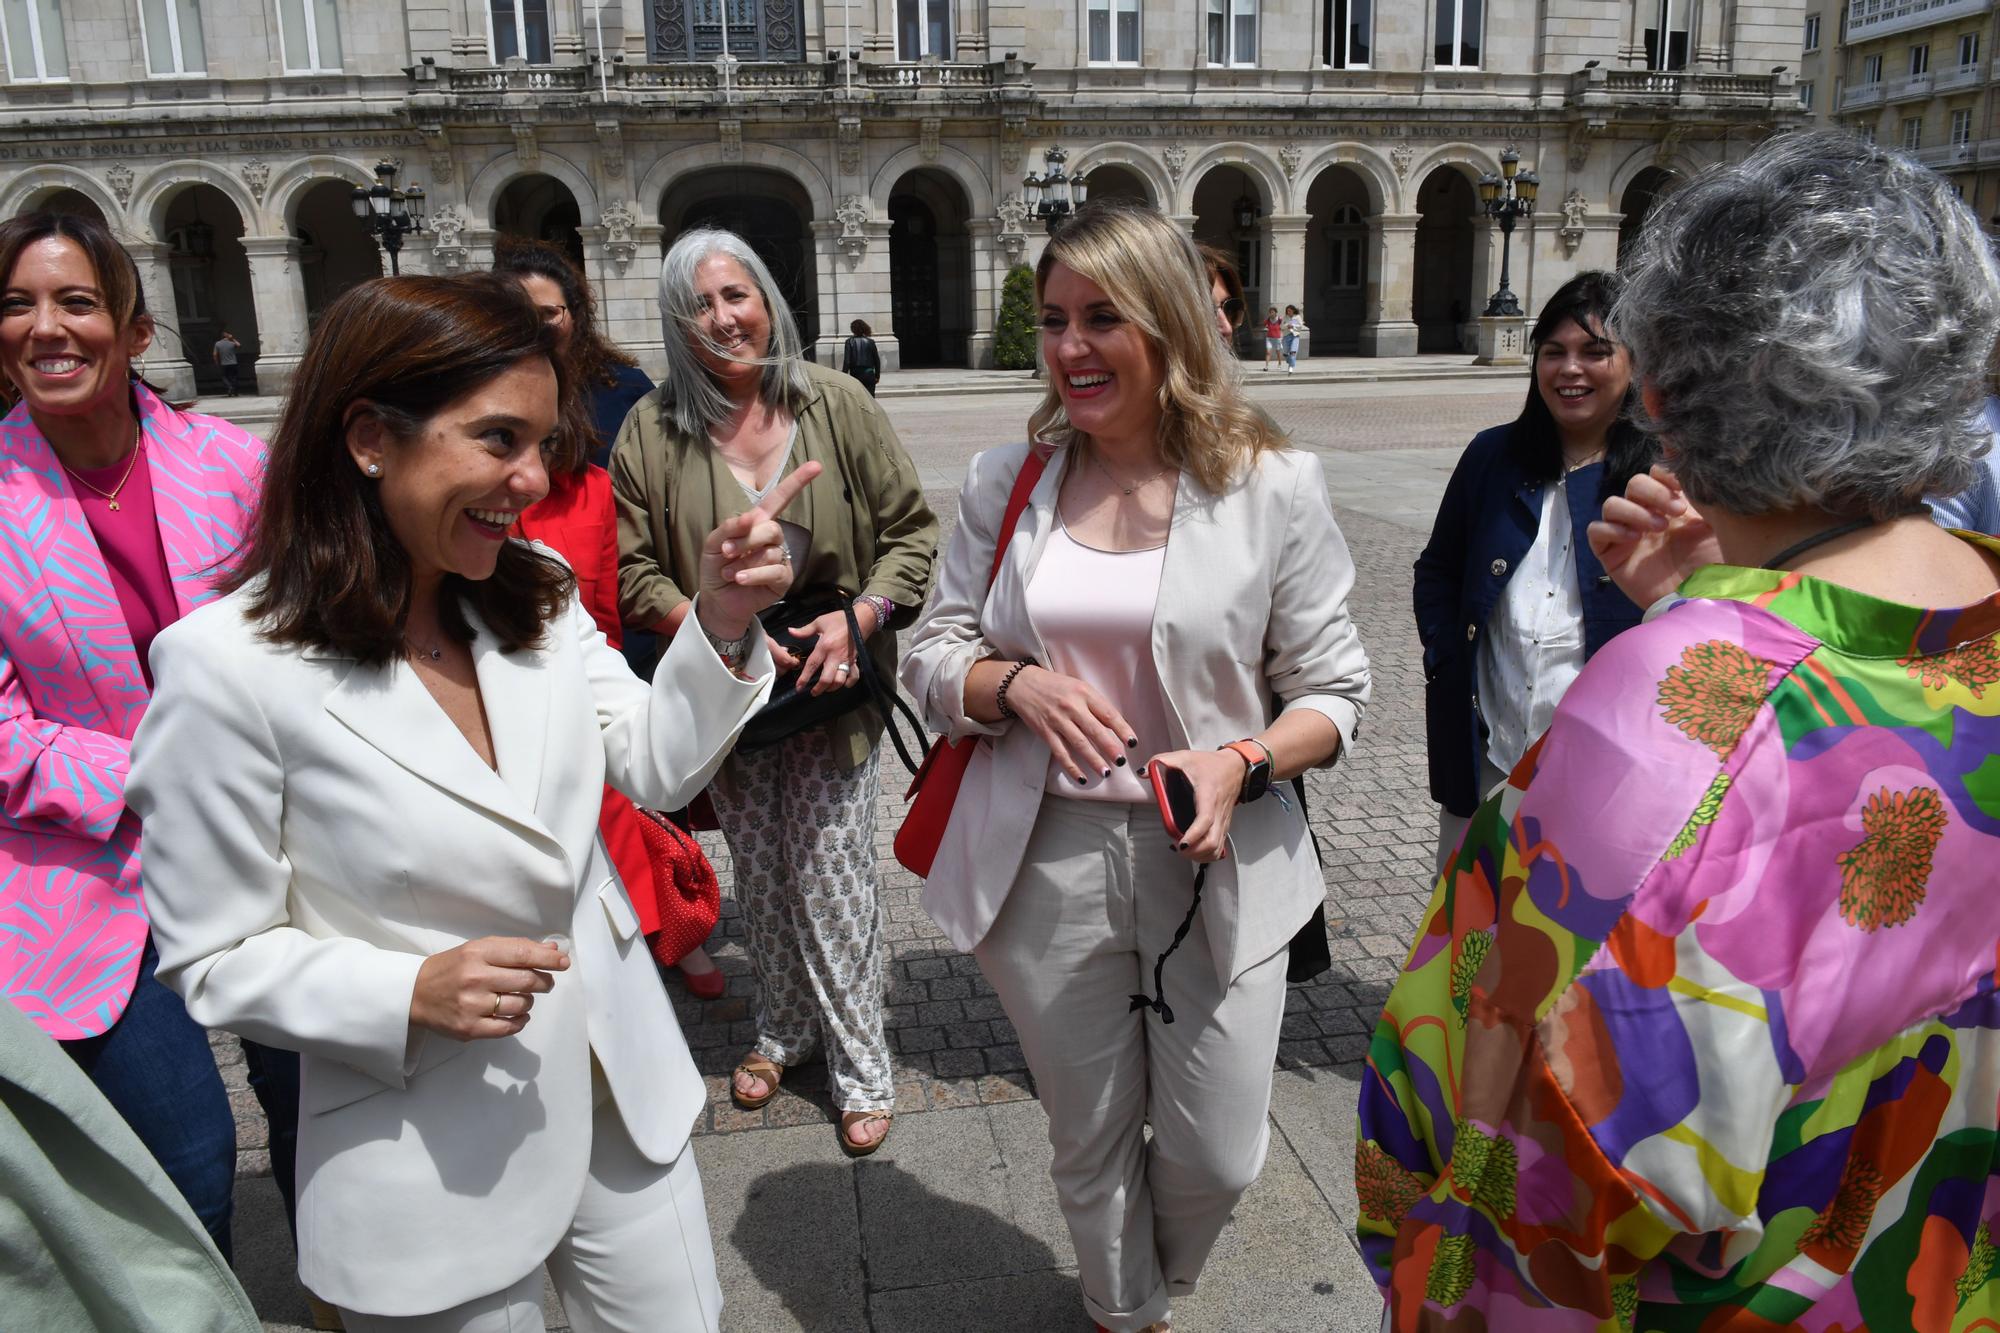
<point x="1533" y="645"/>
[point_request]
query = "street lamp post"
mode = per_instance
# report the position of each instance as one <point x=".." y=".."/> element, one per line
<point x="389" y="213"/>
<point x="1053" y="196"/>
<point x="1508" y="197"/>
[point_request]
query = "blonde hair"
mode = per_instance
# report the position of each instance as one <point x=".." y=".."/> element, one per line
<point x="1156" y="278"/>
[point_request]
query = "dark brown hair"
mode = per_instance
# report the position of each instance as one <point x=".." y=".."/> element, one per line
<point x="324" y="569"/>
<point x="117" y="275"/>
<point x="859" y="328"/>
<point x="594" y="357"/>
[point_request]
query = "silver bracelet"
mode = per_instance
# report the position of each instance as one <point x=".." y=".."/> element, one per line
<point x="733" y="652"/>
<point x="884" y="608"/>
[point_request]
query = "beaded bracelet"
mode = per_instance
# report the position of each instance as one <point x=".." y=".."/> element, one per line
<point x="884" y="608"/>
<point x="1000" y="695"/>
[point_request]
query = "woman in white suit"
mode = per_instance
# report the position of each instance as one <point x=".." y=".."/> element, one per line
<point x="1175" y="595"/>
<point x="371" y="776"/>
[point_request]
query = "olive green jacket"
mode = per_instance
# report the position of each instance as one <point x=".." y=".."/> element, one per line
<point x="872" y="531"/>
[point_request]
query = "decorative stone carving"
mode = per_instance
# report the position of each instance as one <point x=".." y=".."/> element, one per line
<point x="853" y="218"/>
<point x="1289" y="158"/>
<point x="620" y="246"/>
<point x="1013" y="129"/>
<point x="1670" y="146"/>
<point x="448" y="252"/>
<point x="1579" y="148"/>
<point x="1402" y="155"/>
<point x="611" y="147"/>
<point x="1013" y="235"/>
<point x="120" y="177"/>
<point x="1176" y="156"/>
<point x="732" y="139"/>
<point x="848" y="139"/>
<point x="257" y="175"/>
<point x="437" y="140"/>
<point x="1571" y="232"/>
<point x="927" y="137"/>
<point x="526" y="147"/>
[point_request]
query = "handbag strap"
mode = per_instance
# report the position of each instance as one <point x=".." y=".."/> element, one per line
<point x="1017" y="503"/>
<point x="887" y="701"/>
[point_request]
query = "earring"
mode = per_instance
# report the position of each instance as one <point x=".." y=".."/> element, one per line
<point x="374" y="469"/>
<point x="139" y="371"/>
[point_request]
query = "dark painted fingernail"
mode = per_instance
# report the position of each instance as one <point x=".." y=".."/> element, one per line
<point x="1083" y="782"/>
<point x="1131" y="742"/>
<point x="1181" y="847"/>
<point x="1107" y="772"/>
<point x="1120" y="761"/>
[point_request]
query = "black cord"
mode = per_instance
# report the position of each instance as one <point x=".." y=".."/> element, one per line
<point x="1157" y="1002"/>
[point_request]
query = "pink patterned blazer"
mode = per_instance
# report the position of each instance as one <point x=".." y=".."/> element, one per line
<point x="72" y="917"/>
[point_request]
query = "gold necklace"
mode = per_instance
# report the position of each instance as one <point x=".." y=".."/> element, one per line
<point x="1121" y="485"/>
<point x="111" y="495"/>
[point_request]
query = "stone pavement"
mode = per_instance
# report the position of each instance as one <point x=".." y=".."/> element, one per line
<point x="954" y="1225"/>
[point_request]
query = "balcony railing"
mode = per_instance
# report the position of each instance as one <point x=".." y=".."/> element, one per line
<point x="1917" y="87"/>
<point x="1857" y="95"/>
<point x="1954" y="77"/>
<point x="1948" y="156"/>
<point x="1879" y="18"/>
<point x="1678" y="87"/>
<point x="707" y="81"/>
<point x="517" y="79"/>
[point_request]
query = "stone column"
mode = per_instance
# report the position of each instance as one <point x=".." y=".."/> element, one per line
<point x="989" y="269"/>
<point x="626" y="282"/>
<point x="1285" y="274"/>
<point x="166" y="361"/>
<point x="1388" y="326"/>
<point x="279" y="295"/>
<point x="854" y="286"/>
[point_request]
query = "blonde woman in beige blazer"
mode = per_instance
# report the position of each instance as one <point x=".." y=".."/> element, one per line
<point x="370" y="778"/>
<point x="1176" y="585"/>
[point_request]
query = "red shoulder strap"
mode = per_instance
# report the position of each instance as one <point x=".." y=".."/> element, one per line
<point x="1017" y="501"/>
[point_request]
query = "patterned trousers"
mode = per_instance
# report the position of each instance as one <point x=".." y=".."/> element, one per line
<point x="801" y="837"/>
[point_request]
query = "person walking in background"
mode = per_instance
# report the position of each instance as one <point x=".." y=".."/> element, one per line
<point x="123" y="512"/>
<point x="225" y="350"/>
<point x="860" y="357"/>
<point x="579" y="521"/>
<point x="1274" y="335"/>
<point x="1510" y="602"/>
<point x="739" y="405"/>
<point x="390" y="742"/>
<point x="1700" y="1029"/>
<point x="1174" y="598"/>
<point x="1294" y="332"/>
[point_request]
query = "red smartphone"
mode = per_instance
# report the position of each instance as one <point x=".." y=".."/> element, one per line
<point x="1175" y="796"/>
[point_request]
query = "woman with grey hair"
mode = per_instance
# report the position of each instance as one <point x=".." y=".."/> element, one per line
<point x="739" y="407"/>
<point x="1701" y="1029"/>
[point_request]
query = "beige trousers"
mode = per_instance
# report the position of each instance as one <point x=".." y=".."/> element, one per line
<point x="1099" y="895"/>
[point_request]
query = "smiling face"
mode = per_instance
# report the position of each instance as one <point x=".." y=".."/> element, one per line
<point x="59" y="341"/>
<point x="733" y="319"/>
<point x="453" y="493"/>
<point x="552" y="306"/>
<point x="1105" y="369"/>
<point x="1583" y="377"/>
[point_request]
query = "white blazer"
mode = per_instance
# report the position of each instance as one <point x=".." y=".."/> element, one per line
<point x="315" y="829"/>
<point x="1252" y="603"/>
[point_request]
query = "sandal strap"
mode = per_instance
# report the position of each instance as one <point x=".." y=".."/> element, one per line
<point x="758" y="1066"/>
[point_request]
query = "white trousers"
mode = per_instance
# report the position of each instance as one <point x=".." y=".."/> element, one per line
<point x="1099" y="895"/>
<point x="637" y="1258"/>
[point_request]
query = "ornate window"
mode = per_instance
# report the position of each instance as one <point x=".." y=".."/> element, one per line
<point x="1350" y="33"/>
<point x="1459" y="24"/>
<point x="1114" y="32"/>
<point x="746" y="29"/>
<point x="33" y="33"/>
<point x="518" y="28"/>
<point x="1667" y="35"/>
<point x="172" y="33"/>
<point x="1232" y="32"/>
<point x="310" y="34"/>
<point x="923" y="28"/>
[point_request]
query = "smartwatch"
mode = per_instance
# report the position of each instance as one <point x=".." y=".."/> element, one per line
<point x="1256" y="777"/>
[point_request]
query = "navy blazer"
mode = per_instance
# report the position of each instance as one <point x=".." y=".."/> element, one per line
<point x="1486" y="523"/>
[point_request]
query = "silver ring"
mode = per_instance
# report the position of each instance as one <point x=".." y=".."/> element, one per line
<point x="841" y="669"/>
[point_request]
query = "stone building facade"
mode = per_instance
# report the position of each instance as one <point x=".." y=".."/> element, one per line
<point x="873" y="149"/>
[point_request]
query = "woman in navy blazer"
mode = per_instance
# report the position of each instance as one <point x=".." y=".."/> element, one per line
<point x="1574" y="433"/>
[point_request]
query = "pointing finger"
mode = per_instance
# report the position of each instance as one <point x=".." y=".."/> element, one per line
<point x="788" y="489"/>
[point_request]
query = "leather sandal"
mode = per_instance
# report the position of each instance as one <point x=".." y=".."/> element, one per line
<point x="756" y="1066"/>
<point x="854" y="1120"/>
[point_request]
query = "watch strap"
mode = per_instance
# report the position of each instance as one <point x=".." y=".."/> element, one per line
<point x="1258" y="770"/>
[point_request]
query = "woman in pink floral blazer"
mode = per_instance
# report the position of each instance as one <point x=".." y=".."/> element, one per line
<point x="115" y="512"/>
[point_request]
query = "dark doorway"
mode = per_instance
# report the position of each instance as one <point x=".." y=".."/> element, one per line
<point x="767" y="209"/>
<point x="1645" y="190"/>
<point x="930" y="270"/>
<point x="541" y="208"/>
<point x="1443" y="301"/>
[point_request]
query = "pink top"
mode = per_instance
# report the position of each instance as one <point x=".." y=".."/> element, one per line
<point x="1093" y="611"/>
<point x="129" y="537"/>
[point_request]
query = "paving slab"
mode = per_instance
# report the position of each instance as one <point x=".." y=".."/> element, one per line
<point x="784" y="1212"/>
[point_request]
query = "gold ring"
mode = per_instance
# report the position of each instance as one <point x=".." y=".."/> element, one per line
<point x="496" y="1005"/>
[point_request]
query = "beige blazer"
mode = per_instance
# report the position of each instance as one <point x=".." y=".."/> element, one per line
<point x="1252" y="603"/>
<point x="315" y="829"/>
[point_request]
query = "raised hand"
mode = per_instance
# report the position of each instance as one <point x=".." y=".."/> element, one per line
<point x="1652" y="537"/>
<point x="744" y="564"/>
<point x="484" y="987"/>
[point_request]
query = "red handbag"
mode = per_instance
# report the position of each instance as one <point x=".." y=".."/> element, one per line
<point x="934" y="790"/>
<point x="690" y="899"/>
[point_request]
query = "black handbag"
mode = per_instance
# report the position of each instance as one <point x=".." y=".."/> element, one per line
<point x="791" y="709"/>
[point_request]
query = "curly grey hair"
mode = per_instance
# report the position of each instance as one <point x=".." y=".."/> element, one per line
<point x="692" y="401"/>
<point x="1816" y="322"/>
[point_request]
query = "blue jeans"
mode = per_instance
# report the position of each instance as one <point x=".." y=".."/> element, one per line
<point x="155" y="1068"/>
<point x="1291" y="350"/>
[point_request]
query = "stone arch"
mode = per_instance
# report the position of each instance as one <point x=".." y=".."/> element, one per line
<point x="1374" y="171"/>
<point x="700" y="157"/>
<point x="1252" y="162"/>
<point x="1135" y="160"/>
<point x="292" y="181"/>
<point x="951" y="161"/>
<point x="484" y="188"/>
<point x="157" y="189"/>
<point x="37" y="183"/>
<point x="1642" y="160"/>
<point x="1471" y="161"/>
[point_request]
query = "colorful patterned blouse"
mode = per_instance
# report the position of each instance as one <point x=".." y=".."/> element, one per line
<point x="1701" y="1031"/>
